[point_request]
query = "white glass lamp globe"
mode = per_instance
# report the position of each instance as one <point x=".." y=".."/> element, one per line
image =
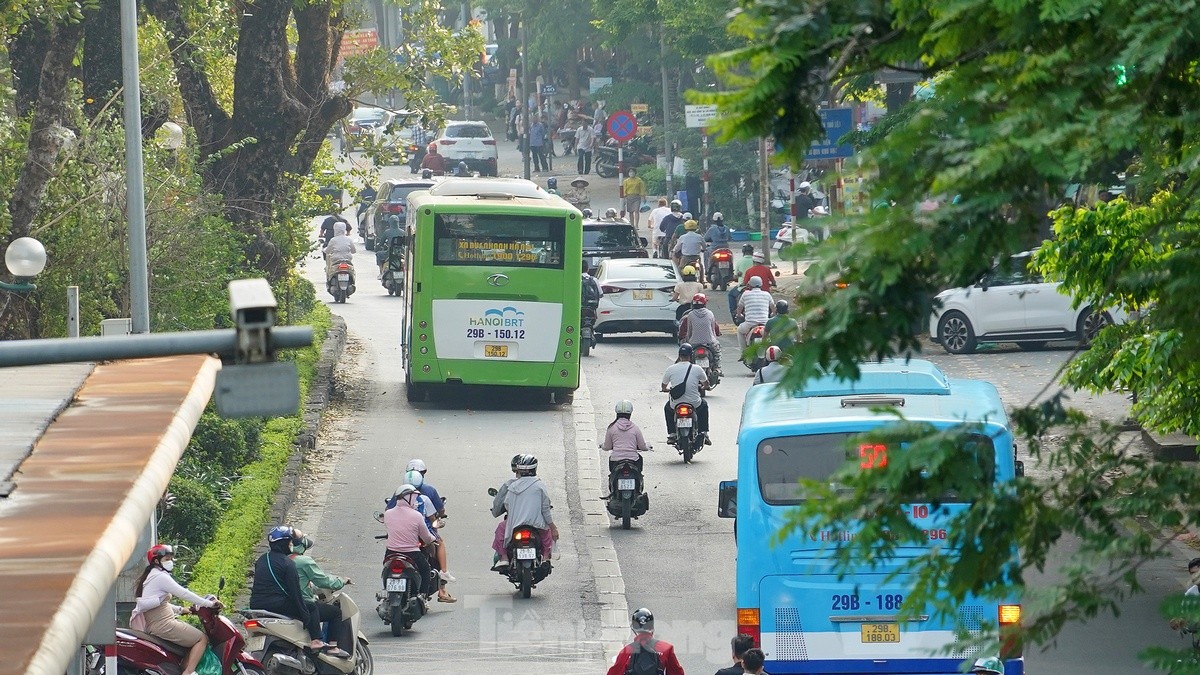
<point x="25" y="257"/>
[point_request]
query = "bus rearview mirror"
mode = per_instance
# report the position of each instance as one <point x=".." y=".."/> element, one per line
<point x="727" y="499"/>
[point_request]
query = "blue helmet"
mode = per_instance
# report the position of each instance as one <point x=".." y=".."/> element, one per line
<point x="552" y="183"/>
<point x="279" y="533"/>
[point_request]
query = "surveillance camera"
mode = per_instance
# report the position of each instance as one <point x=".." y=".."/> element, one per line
<point x="252" y="303"/>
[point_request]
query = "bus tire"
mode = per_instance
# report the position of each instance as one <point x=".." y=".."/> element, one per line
<point x="414" y="392"/>
<point x="585" y="347"/>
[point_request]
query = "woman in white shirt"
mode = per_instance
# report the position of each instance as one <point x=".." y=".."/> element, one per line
<point x="154" y="613"/>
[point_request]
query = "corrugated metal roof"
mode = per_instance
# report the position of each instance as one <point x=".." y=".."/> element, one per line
<point x="30" y="397"/>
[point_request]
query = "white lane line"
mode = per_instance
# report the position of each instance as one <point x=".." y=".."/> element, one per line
<point x="610" y="587"/>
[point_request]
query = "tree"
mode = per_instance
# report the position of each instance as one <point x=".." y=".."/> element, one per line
<point x="1054" y="94"/>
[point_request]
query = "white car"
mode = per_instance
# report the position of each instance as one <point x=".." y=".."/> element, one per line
<point x="637" y="296"/>
<point x="1013" y="304"/>
<point x="471" y="143"/>
<point x="366" y="125"/>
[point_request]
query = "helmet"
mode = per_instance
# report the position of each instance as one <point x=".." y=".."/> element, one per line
<point x="700" y="299"/>
<point x="624" y="407"/>
<point x="687" y="216"/>
<point x="988" y="664"/>
<point x="414" y="478"/>
<point x="527" y="463"/>
<point x="688" y="270"/>
<point x="515" y="459"/>
<point x="758" y="257"/>
<point x="804" y="185"/>
<point x="676" y="205"/>
<point x="685" y="350"/>
<point x="718" y="217"/>
<point x="305" y="544"/>
<point x="158" y="551"/>
<point x="755" y="282"/>
<point x="415" y="465"/>
<point x="691" y="225"/>
<point x="280" y="533"/>
<point x="552" y="183"/>
<point x="587" y="213"/>
<point x="773" y="353"/>
<point x="610" y="214"/>
<point x="642" y="621"/>
<point x="747" y="249"/>
<point x="404" y="490"/>
<point x="781" y="307"/>
<point x="1194" y="562"/>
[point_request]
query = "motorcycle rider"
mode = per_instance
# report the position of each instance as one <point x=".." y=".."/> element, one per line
<point x="684" y="372"/>
<point x="428" y="508"/>
<point x="340" y="249"/>
<point x="311" y="575"/>
<point x="624" y="440"/>
<point x="645" y="646"/>
<point x="775" y="368"/>
<point x="578" y="194"/>
<point x="760" y="270"/>
<point x="611" y="214"/>
<point x="327" y="226"/>
<point x="782" y="329"/>
<point x="688" y="287"/>
<point x="433" y="160"/>
<point x="756" y="307"/>
<point x="527" y="502"/>
<point x="1193" y="591"/>
<point x="989" y="665"/>
<point x="154" y="613"/>
<point x="408" y="533"/>
<point x="666" y="227"/>
<point x="689" y="248"/>
<point x="739" y="270"/>
<point x="700" y="327"/>
<point x="276" y="588"/>
<point x="552" y="185"/>
<point x="717" y="237"/>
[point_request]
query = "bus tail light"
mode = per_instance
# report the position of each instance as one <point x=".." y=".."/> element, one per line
<point x="1012" y="643"/>
<point x="1010" y="615"/>
<point x="747" y="624"/>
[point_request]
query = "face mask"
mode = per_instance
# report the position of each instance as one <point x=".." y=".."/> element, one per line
<point x="1196" y="577"/>
<point x="168" y="565"/>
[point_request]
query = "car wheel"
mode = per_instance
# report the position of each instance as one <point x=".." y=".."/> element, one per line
<point x="956" y="333"/>
<point x="1089" y="325"/>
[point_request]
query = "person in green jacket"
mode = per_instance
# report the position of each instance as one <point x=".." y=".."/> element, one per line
<point x="311" y="575"/>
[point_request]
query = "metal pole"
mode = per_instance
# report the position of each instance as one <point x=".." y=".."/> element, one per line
<point x="662" y="57"/>
<point x="764" y="200"/>
<point x="73" y="311"/>
<point x="84" y="349"/>
<point x="466" y="14"/>
<point x="621" y="173"/>
<point x="525" y="99"/>
<point x="135" y="189"/>
<point x="795" y="219"/>
<point x="704" y="174"/>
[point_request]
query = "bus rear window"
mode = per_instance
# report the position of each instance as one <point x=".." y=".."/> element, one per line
<point x="500" y="240"/>
<point x="784" y="461"/>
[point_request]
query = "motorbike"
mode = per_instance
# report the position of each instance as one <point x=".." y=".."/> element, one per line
<point x="757" y="335"/>
<point x="280" y="643"/>
<point x="720" y="268"/>
<point x="587" y="330"/>
<point x="688" y="440"/>
<point x="529" y="562"/>
<point x="392" y="257"/>
<point x="401" y="603"/>
<point x="704" y="362"/>
<point x="139" y="652"/>
<point x="627" y="498"/>
<point x="634" y="154"/>
<point x="366" y="197"/>
<point x="341" y="282"/>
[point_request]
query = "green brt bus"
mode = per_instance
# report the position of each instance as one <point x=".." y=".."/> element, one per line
<point x="492" y="283"/>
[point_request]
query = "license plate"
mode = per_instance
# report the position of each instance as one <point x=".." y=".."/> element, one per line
<point x="683" y="422"/>
<point x="643" y="295"/>
<point x="397" y="585"/>
<point x="701" y="363"/>
<point x="626" y="484"/>
<point x="526" y="554"/>
<point x="255" y="643"/>
<point x="726" y="266"/>
<point x="344" y="276"/>
<point x="875" y="633"/>
<point x="495" y="351"/>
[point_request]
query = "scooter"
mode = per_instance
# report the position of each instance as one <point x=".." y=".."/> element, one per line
<point x="529" y="562"/>
<point x="341" y="282"/>
<point x="139" y="652"/>
<point x="627" y="498"/>
<point x="587" y="330"/>
<point x="704" y="362"/>
<point x="720" y="268"/>
<point x="392" y="257"/>
<point x="401" y="603"/>
<point x="757" y="335"/>
<point x="688" y="440"/>
<point x="281" y="643"/>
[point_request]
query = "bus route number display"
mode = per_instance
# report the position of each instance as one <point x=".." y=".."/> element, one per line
<point x="515" y="252"/>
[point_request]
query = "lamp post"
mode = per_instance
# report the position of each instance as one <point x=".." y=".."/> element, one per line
<point x="25" y="259"/>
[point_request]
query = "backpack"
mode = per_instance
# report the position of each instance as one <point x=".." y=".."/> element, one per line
<point x="644" y="659"/>
<point x="591" y="291"/>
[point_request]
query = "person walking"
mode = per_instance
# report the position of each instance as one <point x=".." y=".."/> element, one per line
<point x="537" y="144"/>
<point x="634" y="189"/>
<point x="585" y="141"/>
<point x="741" y="644"/>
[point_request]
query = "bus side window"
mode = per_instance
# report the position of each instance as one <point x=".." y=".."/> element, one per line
<point x="727" y="499"/>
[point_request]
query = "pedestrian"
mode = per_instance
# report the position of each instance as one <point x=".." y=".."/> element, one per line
<point x="634" y="189"/>
<point x="514" y="114"/>
<point x="585" y="140"/>
<point x="599" y="115"/>
<point x="741" y="643"/>
<point x="753" y="660"/>
<point x="537" y="144"/>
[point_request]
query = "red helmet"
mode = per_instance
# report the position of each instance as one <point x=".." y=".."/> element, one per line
<point x="773" y="353"/>
<point x="700" y="299"/>
<point x="158" y="551"/>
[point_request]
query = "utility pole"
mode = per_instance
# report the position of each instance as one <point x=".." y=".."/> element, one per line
<point x="135" y="188"/>
<point x="524" y="132"/>
<point x="662" y="57"/>
<point x="764" y="199"/>
<point x="470" y="70"/>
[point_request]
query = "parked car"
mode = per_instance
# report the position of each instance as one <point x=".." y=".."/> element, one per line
<point x="471" y="143"/>
<point x="607" y="239"/>
<point x="391" y="199"/>
<point x="329" y="189"/>
<point x="1013" y="303"/>
<point x="637" y="296"/>
<point x="364" y="126"/>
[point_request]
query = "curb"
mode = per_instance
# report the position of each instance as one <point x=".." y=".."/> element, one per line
<point x="1171" y="447"/>
<point x="606" y="570"/>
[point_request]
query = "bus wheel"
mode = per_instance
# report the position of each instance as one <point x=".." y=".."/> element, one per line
<point x="414" y="392"/>
<point x="562" y="397"/>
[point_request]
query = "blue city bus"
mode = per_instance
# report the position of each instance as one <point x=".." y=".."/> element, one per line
<point x="790" y="598"/>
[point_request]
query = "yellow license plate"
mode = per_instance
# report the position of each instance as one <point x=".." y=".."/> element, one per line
<point x="495" y="351"/>
<point x="643" y="295"/>
<point x="875" y="633"/>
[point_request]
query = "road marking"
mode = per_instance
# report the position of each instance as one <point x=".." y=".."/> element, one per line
<point x="606" y="569"/>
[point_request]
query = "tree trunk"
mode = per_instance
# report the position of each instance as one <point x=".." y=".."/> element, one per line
<point x="26" y="54"/>
<point x="102" y="58"/>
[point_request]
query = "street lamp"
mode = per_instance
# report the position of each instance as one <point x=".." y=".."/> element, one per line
<point x="172" y="136"/>
<point x="25" y="259"/>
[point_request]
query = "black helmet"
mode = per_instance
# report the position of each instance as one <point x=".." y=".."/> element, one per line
<point x="642" y="621"/>
<point x="552" y="183"/>
<point x="747" y="249"/>
<point x="781" y="307"/>
<point x="685" y="351"/>
<point x="515" y="459"/>
<point x="587" y="213"/>
<point x="1194" y="562"/>
<point x="526" y="464"/>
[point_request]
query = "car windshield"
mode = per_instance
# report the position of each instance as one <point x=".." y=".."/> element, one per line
<point x="400" y="193"/>
<point x="645" y="270"/>
<point x="783" y="461"/>
<point x="609" y="237"/>
<point x="368" y="114"/>
<point x="468" y="131"/>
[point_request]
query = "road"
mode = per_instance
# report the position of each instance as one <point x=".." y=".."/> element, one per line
<point x="677" y="560"/>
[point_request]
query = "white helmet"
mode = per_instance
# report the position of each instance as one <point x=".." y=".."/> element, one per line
<point x="414" y="478"/>
<point x="773" y="353"/>
<point x="415" y="465"/>
<point x="804" y="185"/>
<point x="687" y="215"/>
<point x="624" y="407"/>
<point x="755" y="282"/>
<point x="404" y="490"/>
<point x="718" y="217"/>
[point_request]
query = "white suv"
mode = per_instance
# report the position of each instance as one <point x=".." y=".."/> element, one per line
<point x="1013" y="304"/>
<point x="471" y="143"/>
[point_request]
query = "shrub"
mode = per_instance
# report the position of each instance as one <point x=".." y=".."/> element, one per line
<point x="220" y="446"/>
<point x="655" y="179"/>
<point x="192" y="517"/>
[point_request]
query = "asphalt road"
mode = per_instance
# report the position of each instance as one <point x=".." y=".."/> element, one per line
<point x="678" y="559"/>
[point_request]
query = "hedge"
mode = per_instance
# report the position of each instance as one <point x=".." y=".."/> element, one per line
<point x="230" y="553"/>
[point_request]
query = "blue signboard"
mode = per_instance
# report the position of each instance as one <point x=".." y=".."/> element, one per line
<point x="837" y="122"/>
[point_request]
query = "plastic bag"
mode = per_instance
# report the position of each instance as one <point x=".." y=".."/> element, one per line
<point x="210" y="663"/>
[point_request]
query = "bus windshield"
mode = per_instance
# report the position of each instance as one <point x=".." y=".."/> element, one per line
<point x="506" y="240"/>
<point x="784" y="461"/>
